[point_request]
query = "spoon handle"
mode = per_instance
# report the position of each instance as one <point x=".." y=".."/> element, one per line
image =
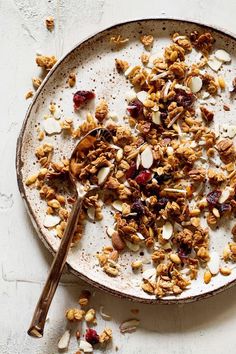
<point x="41" y="310"/>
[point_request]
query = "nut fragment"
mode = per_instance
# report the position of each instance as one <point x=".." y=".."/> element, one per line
<point x="225" y="271"/>
<point x="75" y="314"/>
<point x="72" y="79"/>
<point x="46" y="62"/>
<point x="49" y="23"/>
<point x="207" y="277"/>
<point x="90" y="316"/>
<point x="147" y="40"/>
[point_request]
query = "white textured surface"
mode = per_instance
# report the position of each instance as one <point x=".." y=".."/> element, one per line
<point x="207" y="326"/>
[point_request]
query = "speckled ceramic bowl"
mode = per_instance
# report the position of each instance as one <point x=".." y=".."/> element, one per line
<point x="93" y="62"/>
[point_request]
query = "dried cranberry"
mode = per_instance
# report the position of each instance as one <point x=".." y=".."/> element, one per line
<point x="143" y="177"/>
<point x="135" y="108"/>
<point x="138" y="207"/>
<point x="183" y="98"/>
<point x="132" y="171"/>
<point x="163" y="118"/>
<point x="213" y="197"/>
<point x="162" y="178"/>
<point x="91" y="336"/>
<point x="161" y="204"/>
<point x="81" y="97"/>
<point x="224" y="208"/>
<point x="184" y="250"/>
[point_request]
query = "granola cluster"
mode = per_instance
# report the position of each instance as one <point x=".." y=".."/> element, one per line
<point x="156" y="174"/>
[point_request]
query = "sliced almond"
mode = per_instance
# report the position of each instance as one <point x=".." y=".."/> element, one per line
<point x="227" y="192"/>
<point x="132" y="246"/>
<point x="214" y="263"/>
<point x="170" y="151"/>
<point x="102" y="175"/>
<point x="51" y="220"/>
<point x="91" y="213"/>
<point x="104" y="315"/>
<point x="140" y="236"/>
<point x="138" y="161"/>
<point x="195" y="84"/>
<point x="64" y="341"/>
<point x="110" y="231"/>
<point x="167" y="230"/>
<point x="117" y="204"/>
<point x="147" y="157"/>
<point x="119" y="155"/>
<point x="86" y="347"/>
<point x="130" y="95"/>
<point x="156" y="117"/>
<point x="149" y="273"/>
<point x="51" y="126"/>
<point x="214" y="63"/>
<point x="159" y="76"/>
<point x="223" y="56"/>
<point x="129" y="326"/>
<point x="175" y="191"/>
<point x="128" y="71"/>
<point x="142" y="96"/>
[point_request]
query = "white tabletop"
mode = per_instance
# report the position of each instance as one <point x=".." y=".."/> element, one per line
<point x="204" y="327"/>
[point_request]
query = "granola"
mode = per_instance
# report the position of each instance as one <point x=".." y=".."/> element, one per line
<point x="159" y="174"/>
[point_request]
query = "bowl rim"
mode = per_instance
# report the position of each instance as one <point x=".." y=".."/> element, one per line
<point x="19" y="164"/>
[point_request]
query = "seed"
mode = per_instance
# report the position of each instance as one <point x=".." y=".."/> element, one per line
<point x="225" y="271"/>
<point x="175" y="258"/>
<point x="207" y="277"/>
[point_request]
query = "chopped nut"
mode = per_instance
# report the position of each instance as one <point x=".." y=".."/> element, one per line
<point x="206" y="114"/>
<point x="49" y="23"/>
<point x="101" y="111"/>
<point x="31" y="179"/>
<point x="207" y="277"/>
<point x="72" y="79"/>
<point x="226" y="150"/>
<point x="46" y="62"/>
<point x="145" y="58"/>
<point x="147" y="40"/>
<point x="121" y="65"/>
<point x="175" y="258"/>
<point x="54" y="203"/>
<point x="29" y="94"/>
<point x="105" y="336"/>
<point x="90" y="316"/>
<point x="225" y="271"/>
<point x="36" y="81"/>
<point x="136" y="265"/>
<point x="75" y="314"/>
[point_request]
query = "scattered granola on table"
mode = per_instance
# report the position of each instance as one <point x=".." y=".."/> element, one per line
<point x="169" y="175"/>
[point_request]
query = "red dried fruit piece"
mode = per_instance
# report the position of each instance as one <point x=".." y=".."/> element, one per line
<point x="135" y="108"/>
<point x="91" y="336"/>
<point x="143" y="177"/>
<point x="224" y="208"/>
<point x="138" y="207"/>
<point x="81" y="97"/>
<point x="183" y="98"/>
<point x="131" y="172"/>
<point x="213" y="197"/>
